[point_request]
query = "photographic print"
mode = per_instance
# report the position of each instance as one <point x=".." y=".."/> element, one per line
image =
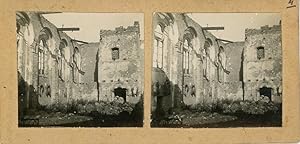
<point x="216" y="70"/>
<point x="80" y="69"/>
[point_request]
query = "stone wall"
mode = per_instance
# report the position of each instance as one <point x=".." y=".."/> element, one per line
<point x="122" y="76"/>
<point x="186" y="87"/>
<point x="90" y="67"/>
<point x="266" y="71"/>
<point x="216" y="72"/>
<point x="234" y="79"/>
<point x="40" y="83"/>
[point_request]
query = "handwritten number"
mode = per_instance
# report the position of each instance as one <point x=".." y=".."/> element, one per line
<point x="291" y="4"/>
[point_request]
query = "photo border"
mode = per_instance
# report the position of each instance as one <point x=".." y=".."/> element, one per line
<point x="289" y="132"/>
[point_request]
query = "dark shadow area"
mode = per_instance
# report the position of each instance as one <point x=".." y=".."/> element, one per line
<point x="92" y="119"/>
<point x="266" y="91"/>
<point x="268" y="119"/>
<point x="27" y="98"/>
<point x="121" y="92"/>
<point x="162" y="89"/>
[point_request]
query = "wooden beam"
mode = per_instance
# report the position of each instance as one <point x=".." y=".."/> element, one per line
<point x="79" y="41"/>
<point x="48" y="12"/>
<point x="68" y="29"/>
<point x="225" y="40"/>
<point x="213" y="28"/>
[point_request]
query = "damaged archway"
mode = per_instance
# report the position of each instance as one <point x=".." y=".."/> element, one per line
<point x="121" y="92"/>
<point x="266" y="91"/>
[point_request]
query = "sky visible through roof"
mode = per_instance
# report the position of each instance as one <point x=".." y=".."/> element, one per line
<point x="235" y="23"/>
<point x="91" y="23"/>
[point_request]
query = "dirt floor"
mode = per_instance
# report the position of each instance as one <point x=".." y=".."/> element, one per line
<point x="58" y="119"/>
<point x="187" y="119"/>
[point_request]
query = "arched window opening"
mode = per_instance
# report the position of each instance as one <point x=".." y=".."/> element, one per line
<point x="260" y="53"/>
<point x="41" y="90"/>
<point x="41" y="56"/>
<point x="74" y="74"/>
<point x="222" y="62"/>
<point x="61" y="63"/>
<point x="22" y="21"/>
<point x="188" y="38"/>
<point x="187" y="48"/>
<point x="115" y="53"/>
<point x="76" y="66"/>
<point x="44" y="37"/>
<point x="207" y="47"/>
<point x="158" y="46"/>
<point x="77" y="58"/>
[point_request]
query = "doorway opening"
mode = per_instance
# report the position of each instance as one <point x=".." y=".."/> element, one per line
<point x="266" y="91"/>
<point x="121" y="92"/>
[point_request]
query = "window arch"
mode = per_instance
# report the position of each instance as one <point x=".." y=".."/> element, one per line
<point x="222" y="62"/>
<point x="61" y="61"/>
<point x="187" y="48"/>
<point x="222" y="57"/>
<point x="76" y="57"/>
<point x="22" y="20"/>
<point x="64" y="41"/>
<point x="41" y="56"/>
<point x="158" y="46"/>
<point x="207" y="47"/>
<point x="77" y="63"/>
<point x="44" y="37"/>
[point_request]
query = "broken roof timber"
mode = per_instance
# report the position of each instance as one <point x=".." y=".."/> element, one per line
<point x="48" y="12"/>
<point x="68" y="29"/>
<point x="213" y="28"/>
<point x="80" y="41"/>
<point x="225" y="40"/>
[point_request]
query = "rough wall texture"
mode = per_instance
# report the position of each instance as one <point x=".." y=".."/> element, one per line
<point x="264" y="72"/>
<point x="45" y="75"/>
<point x="90" y="67"/>
<point x="216" y="71"/>
<point x="172" y="84"/>
<point x="120" y="66"/>
<point x="53" y="68"/>
<point x="234" y="80"/>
